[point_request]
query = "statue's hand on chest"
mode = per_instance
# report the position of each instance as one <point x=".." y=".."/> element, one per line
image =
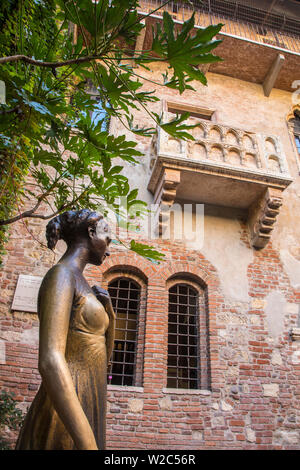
<point x="102" y="295"/>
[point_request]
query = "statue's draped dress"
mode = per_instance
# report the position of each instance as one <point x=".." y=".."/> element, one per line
<point x="87" y="362"/>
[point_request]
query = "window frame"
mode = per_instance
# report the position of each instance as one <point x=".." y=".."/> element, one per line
<point x="181" y="336"/>
<point x="297" y="138"/>
<point x="93" y="92"/>
<point x="203" y="347"/>
<point x="141" y="321"/>
<point x="295" y="133"/>
<point x="196" y="111"/>
<point x="130" y="332"/>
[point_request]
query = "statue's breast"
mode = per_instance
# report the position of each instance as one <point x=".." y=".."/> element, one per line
<point x="89" y="315"/>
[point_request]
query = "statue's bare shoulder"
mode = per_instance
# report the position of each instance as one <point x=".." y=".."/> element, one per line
<point x="59" y="275"/>
<point x="59" y="282"/>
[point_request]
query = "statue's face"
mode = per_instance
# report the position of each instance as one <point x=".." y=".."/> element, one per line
<point x="100" y="239"/>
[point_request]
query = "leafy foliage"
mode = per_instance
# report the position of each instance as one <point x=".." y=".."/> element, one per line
<point x="10" y="415"/>
<point x="147" y="251"/>
<point x="55" y="149"/>
<point x="184" y="51"/>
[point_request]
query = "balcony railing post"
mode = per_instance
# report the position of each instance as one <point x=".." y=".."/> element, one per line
<point x="209" y="10"/>
<point x="235" y="10"/>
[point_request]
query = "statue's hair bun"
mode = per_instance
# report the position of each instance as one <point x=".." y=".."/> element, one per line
<point x="67" y="225"/>
<point x="53" y="231"/>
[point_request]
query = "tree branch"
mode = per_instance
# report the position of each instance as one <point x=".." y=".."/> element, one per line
<point x="53" y="65"/>
<point x="30" y="213"/>
<point x="9" y="111"/>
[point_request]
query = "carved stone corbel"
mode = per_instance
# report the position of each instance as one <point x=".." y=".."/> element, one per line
<point x="165" y="197"/>
<point x="295" y="334"/>
<point x="262" y="217"/>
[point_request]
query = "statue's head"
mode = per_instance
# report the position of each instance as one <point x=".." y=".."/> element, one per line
<point x="81" y="227"/>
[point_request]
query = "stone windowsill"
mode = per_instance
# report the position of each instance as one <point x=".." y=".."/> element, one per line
<point x="184" y="391"/>
<point x="124" y="388"/>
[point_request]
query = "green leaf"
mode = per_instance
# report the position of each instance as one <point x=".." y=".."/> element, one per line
<point x="52" y="134"/>
<point x="206" y="34"/>
<point x="39" y="107"/>
<point x="175" y="128"/>
<point x="146" y="251"/>
<point x="185" y="51"/>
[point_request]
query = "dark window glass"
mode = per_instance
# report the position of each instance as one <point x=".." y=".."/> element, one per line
<point x="183" y="337"/>
<point x="297" y="140"/>
<point x="99" y="113"/>
<point x="296" y="125"/>
<point x="125" y="296"/>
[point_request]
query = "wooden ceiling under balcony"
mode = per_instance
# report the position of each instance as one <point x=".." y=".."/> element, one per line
<point x="251" y="61"/>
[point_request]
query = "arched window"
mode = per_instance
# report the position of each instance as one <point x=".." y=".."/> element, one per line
<point x="297" y="132"/>
<point x="295" y="121"/>
<point x="183" y="337"/>
<point x="125" y="296"/>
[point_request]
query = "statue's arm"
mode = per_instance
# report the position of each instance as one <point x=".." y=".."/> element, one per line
<point x="55" y="303"/>
<point x="110" y="332"/>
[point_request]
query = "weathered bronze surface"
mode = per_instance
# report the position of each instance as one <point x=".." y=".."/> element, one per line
<point x="76" y="341"/>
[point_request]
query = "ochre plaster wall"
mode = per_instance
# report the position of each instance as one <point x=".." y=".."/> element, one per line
<point x="253" y="302"/>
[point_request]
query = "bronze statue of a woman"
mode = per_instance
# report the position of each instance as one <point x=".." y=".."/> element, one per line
<point x="76" y="342"/>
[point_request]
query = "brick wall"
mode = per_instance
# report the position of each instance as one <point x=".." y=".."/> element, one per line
<point x="253" y="398"/>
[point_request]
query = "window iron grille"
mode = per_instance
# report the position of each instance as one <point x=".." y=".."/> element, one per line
<point x="183" y="350"/>
<point x="296" y="122"/>
<point x="297" y="140"/>
<point x="99" y="112"/>
<point x="125" y="296"/>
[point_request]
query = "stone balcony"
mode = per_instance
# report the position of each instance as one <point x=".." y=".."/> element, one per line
<point x="226" y="167"/>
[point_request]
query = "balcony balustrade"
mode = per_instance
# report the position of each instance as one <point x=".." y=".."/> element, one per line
<point x="223" y="166"/>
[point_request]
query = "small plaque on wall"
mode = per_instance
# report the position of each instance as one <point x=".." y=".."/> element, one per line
<point x="26" y="293"/>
